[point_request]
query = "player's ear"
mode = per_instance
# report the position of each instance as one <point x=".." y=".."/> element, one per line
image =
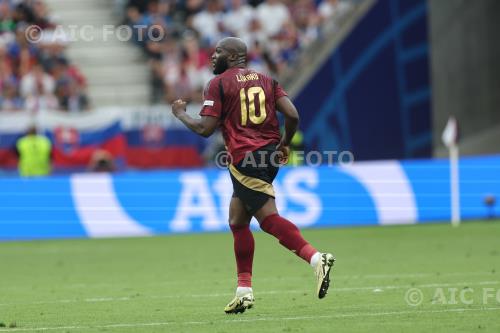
<point x="233" y="57"/>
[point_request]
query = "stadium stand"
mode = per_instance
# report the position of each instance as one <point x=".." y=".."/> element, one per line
<point x="37" y="75"/>
<point x="277" y="32"/>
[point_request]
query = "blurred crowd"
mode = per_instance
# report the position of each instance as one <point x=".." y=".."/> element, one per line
<point x="36" y="76"/>
<point x="181" y="35"/>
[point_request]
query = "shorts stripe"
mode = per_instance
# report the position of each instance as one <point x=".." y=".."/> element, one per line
<point x="251" y="182"/>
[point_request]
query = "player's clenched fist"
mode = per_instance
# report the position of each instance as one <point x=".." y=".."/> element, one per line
<point x="284" y="153"/>
<point x="178" y="107"/>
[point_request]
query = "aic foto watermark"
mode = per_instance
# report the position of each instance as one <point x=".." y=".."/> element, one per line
<point x="261" y="159"/>
<point x="453" y="296"/>
<point x="89" y="33"/>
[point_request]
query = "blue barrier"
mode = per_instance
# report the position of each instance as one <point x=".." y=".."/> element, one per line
<point x="162" y="202"/>
<point x="384" y="59"/>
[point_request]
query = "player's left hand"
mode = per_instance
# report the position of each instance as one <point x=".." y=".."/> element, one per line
<point x="178" y="107"/>
<point x="284" y="153"/>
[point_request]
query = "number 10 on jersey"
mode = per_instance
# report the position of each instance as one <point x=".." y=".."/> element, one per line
<point x="250" y="113"/>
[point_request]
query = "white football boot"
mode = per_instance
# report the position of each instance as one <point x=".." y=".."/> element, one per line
<point x="323" y="268"/>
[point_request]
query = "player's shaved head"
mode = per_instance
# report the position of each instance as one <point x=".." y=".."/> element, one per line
<point x="229" y="52"/>
<point x="234" y="45"/>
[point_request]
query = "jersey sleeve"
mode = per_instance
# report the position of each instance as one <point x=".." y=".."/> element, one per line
<point x="212" y="103"/>
<point x="278" y="90"/>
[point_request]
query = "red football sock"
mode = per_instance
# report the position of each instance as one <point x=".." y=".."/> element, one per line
<point x="244" y="246"/>
<point x="288" y="235"/>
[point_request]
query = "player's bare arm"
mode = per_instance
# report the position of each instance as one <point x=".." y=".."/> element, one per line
<point x="203" y="126"/>
<point x="286" y="107"/>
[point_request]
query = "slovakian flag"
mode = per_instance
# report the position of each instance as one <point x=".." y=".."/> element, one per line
<point x="154" y="146"/>
<point x="139" y="138"/>
<point x="74" y="148"/>
<point x="74" y="139"/>
<point x="8" y="157"/>
<point x="156" y="139"/>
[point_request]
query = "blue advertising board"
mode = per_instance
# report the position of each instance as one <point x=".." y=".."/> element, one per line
<point x="164" y="202"/>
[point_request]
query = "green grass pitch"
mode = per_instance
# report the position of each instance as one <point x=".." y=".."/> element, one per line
<point x="181" y="283"/>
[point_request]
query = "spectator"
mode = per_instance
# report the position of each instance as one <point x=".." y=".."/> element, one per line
<point x="11" y="101"/>
<point x="331" y="11"/>
<point x="254" y="32"/>
<point x="306" y="20"/>
<point x="273" y="14"/>
<point x="7" y="24"/>
<point x="259" y="59"/>
<point x="62" y="71"/>
<point x="23" y="54"/>
<point x="157" y="13"/>
<point x="180" y="85"/>
<point x="287" y="45"/>
<point x="70" y="98"/>
<point x="188" y="8"/>
<point x="51" y="45"/>
<point x="133" y="19"/>
<point x="169" y="69"/>
<point x="41" y="99"/>
<point x="23" y="14"/>
<point x="37" y="82"/>
<point x="101" y="161"/>
<point x="34" y="152"/>
<point x="23" y="65"/>
<point x="196" y="62"/>
<point x="140" y="5"/>
<point x="209" y="23"/>
<point x="238" y="18"/>
<point x="6" y="66"/>
<point x="158" y="20"/>
<point x="41" y="15"/>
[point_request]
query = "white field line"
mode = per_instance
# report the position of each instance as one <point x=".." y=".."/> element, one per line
<point x="287" y="278"/>
<point x="379" y="288"/>
<point x="413" y="275"/>
<point x="250" y="320"/>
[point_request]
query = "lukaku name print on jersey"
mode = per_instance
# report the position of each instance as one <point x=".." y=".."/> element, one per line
<point x="248" y="77"/>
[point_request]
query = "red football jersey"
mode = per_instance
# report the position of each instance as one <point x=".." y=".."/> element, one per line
<point x="245" y="103"/>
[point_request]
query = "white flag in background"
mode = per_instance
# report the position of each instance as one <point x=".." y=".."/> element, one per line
<point x="450" y="133"/>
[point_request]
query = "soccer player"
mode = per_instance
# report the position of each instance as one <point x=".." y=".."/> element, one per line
<point x="243" y="103"/>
